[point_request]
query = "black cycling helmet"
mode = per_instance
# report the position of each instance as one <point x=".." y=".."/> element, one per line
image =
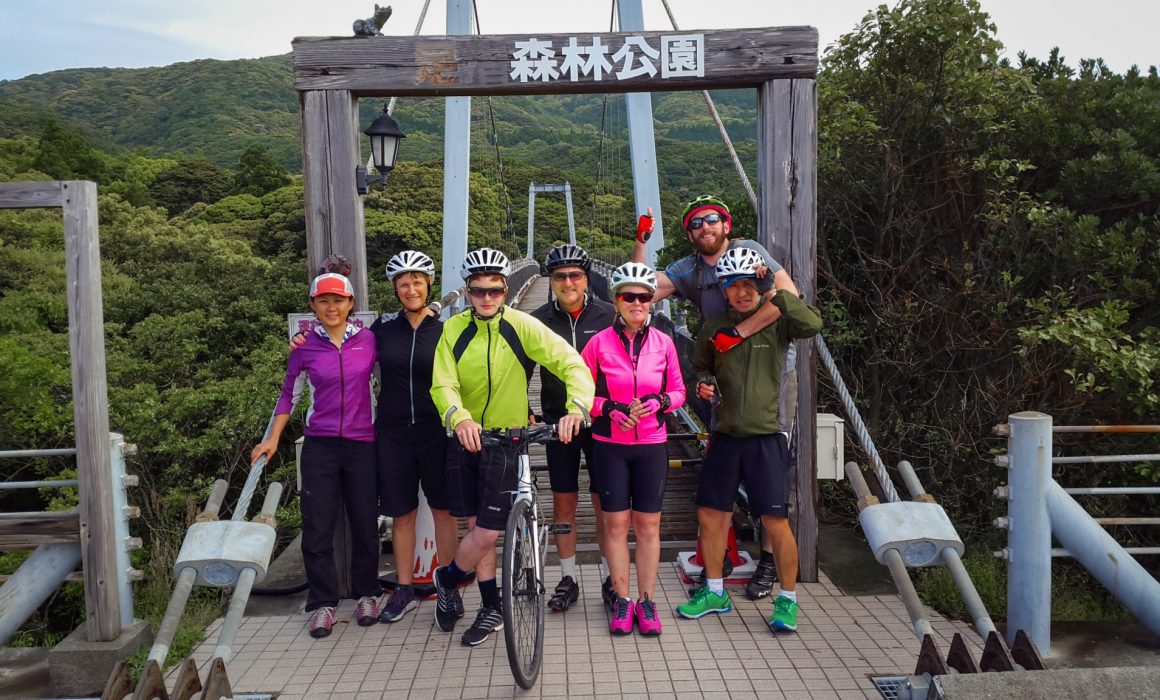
<point x="567" y="255"/>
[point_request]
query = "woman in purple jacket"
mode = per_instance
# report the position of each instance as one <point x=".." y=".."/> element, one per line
<point x="338" y="454"/>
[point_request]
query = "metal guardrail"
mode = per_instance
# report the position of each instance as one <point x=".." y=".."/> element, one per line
<point x="1039" y="508"/>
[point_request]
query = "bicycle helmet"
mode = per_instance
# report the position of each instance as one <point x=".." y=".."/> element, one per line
<point x="738" y="263"/>
<point x="705" y="200"/>
<point x="410" y="261"/>
<point x="485" y="261"/>
<point x="567" y="255"/>
<point x="634" y="273"/>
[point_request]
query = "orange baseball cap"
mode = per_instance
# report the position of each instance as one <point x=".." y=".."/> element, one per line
<point x="331" y="283"/>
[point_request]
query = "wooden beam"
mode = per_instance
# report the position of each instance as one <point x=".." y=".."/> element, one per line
<point x="787" y="172"/>
<point x="483" y="65"/>
<point x="86" y="328"/>
<point x="334" y="211"/>
<point x="22" y="530"/>
<point x="30" y="195"/>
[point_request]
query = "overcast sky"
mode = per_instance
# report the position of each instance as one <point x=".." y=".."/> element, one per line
<point x="37" y="37"/>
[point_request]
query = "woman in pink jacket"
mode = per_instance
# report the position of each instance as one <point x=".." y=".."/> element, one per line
<point x="638" y="380"/>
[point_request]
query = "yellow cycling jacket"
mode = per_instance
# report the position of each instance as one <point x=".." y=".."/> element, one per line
<point x="482" y="367"/>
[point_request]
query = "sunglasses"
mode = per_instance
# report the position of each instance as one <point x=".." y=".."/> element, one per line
<point x="574" y="275"/>
<point x="699" y="221"/>
<point x="632" y="297"/>
<point x="488" y="292"/>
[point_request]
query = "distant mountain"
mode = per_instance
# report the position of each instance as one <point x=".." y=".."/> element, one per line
<point x="220" y="108"/>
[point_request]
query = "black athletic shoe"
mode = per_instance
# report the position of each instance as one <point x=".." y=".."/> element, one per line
<point x="458" y="601"/>
<point x="445" y="616"/>
<point x="487" y="620"/>
<point x="608" y="593"/>
<point x="567" y="592"/>
<point x="761" y="584"/>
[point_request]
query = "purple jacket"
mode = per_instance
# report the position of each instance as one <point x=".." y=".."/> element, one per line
<point x="340" y="385"/>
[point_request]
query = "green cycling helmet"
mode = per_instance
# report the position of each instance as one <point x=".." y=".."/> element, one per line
<point x="705" y="200"/>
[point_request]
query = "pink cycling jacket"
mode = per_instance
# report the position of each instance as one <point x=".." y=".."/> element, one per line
<point x="624" y="371"/>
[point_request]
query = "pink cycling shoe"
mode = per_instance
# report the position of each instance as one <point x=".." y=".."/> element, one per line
<point x="646" y="617"/>
<point x="621" y="622"/>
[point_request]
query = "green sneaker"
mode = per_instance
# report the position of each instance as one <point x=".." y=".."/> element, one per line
<point x="785" y="613"/>
<point x="705" y="601"/>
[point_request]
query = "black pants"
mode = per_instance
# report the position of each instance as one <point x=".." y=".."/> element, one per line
<point x="337" y="471"/>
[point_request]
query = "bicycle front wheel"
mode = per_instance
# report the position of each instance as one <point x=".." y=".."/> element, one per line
<point x="523" y="596"/>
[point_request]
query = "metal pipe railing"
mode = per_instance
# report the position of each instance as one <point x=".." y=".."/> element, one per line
<point x="910" y="600"/>
<point x="1114" y="491"/>
<point x="22" y="454"/>
<point x="54" y="484"/>
<point x="245" y="584"/>
<point x="185" y="579"/>
<point x="1106" y="459"/>
<point x="984" y="625"/>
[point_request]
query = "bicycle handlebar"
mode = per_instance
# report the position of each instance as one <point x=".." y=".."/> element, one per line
<point x="535" y="432"/>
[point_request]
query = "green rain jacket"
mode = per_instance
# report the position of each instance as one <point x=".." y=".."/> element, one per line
<point x="482" y="367"/>
<point x="749" y="375"/>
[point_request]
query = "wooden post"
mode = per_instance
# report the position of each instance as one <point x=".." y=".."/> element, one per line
<point x="787" y="225"/>
<point x="90" y="410"/>
<point x="334" y="211"/>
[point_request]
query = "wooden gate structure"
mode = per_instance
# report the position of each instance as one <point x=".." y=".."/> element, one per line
<point x="332" y="73"/>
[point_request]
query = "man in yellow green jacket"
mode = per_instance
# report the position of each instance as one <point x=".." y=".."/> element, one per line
<point x="483" y="362"/>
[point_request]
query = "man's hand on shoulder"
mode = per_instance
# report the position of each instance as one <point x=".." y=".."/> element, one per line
<point x="298" y="340"/>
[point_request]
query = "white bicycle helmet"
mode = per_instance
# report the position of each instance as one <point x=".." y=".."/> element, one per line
<point x="737" y="263"/>
<point x="485" y="261"/>
<point x="567" y="255"/>
<point x="410" y="261"/>
<point x="634" y="273"/>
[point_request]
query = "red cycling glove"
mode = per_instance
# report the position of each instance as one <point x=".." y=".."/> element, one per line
<point x="726" y="339"/>
<point x="644" y="228"/>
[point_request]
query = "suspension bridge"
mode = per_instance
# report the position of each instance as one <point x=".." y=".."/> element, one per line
<point x="847" y="646"/>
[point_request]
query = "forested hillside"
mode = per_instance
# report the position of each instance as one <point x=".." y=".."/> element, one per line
<point x="987" y="233"/>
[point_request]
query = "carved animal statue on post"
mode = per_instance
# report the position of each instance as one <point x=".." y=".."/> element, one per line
<point x="371" y="26"/>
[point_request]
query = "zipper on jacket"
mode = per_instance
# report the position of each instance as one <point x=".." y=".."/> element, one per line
<point x="411" y="371"/>
<point x="341" y="391"/>
<point x="488" y="355"/>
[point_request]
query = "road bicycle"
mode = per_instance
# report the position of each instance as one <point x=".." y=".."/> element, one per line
<point x="525" y="545"/>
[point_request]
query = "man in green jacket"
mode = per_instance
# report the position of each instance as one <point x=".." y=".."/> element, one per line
<point x="482" y="365"/>
<point x="746" y="444"/>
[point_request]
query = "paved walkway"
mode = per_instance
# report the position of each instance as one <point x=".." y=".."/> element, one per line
<point x="842" y="641"/>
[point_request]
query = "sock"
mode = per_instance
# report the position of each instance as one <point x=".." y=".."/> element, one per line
<point x="568" y="566"/>
<point x="403" y="587"/>
<point x="716" y="585"/>
<point x="604" y="567"/>
<point x="453" y="576"/>
<point x="489" y="591"/>
<point x="766" y="557"/>
<point x="792" y="595"/>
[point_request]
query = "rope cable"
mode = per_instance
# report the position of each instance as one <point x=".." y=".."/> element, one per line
<point x="721" y="128"/>
<point x="505" y="194"/>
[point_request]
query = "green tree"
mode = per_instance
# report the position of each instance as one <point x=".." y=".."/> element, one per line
<point x="66" y="155"/>
<point x="190" y="181"/>
<point x="258" y="173"/>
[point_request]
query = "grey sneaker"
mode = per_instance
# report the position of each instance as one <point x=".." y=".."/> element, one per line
<point x="487" y="620"/>
<point x="401" y="602"/>
<point x="321" y="622"/>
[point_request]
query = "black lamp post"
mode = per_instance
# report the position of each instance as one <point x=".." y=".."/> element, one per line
<point x="385" y="137"/>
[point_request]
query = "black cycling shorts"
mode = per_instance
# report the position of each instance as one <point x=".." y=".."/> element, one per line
<point x="410" y="455"/>
<point x="632" y="477"/>
<point x="761" y="461"/>
<point x="481" y="484"/>
<point x="564" y="464"/>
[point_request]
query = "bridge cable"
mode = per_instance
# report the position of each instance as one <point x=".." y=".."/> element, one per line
<point x="721" y="128"/>
<point x="507" y="199"/>
<point x="422" y="16"/>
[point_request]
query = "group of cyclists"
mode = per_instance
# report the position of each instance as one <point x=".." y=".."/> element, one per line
<point x="474" y="369"/>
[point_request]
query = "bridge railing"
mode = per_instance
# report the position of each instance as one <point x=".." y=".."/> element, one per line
<point x="1040" y="508"/>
